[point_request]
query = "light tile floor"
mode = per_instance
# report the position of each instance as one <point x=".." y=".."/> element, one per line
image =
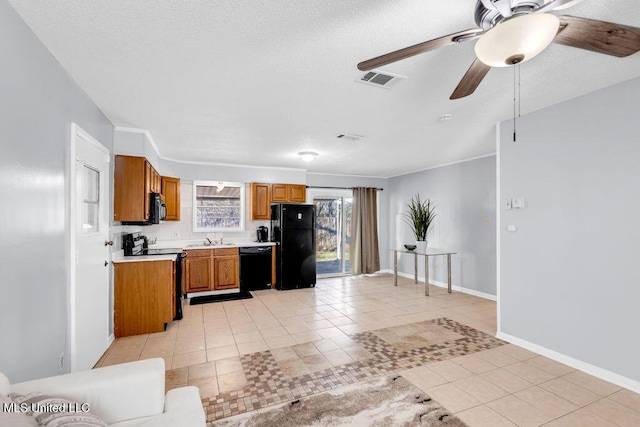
<point x="333" y="333"/>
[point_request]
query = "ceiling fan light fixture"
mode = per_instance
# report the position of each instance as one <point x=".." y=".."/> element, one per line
<point x="517" y="40"/>
<point x="307" y="156"/>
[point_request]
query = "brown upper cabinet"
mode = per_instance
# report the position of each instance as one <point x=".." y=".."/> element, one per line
<point x="171" y="193"/>
<point x="297" y="193"/>
<point x="135" y="179"/>
<point x="260" y="200"/>
<point x="279" y="193"/>
<point x="133" y="182"/>
<point x="262" y="194"/>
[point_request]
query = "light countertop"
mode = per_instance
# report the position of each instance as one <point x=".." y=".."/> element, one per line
<point x="119" y="257"/>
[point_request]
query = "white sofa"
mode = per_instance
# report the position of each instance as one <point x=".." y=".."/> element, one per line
<point x="129" y="394"/>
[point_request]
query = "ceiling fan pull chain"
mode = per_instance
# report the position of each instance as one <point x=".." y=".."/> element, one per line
<point x="514" y="103"/>
<point x="519" y="92"/>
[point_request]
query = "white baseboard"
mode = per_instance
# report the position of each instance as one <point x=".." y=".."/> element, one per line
<point x="444" y="285"/>
<point x="603" y="374"/>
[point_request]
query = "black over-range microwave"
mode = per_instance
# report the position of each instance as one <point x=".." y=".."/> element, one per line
<point x="157" y="209"/>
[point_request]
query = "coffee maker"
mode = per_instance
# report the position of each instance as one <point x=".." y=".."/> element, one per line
<point x="262" y="234"/>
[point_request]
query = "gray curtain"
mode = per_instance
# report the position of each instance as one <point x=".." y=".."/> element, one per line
<point x="364" y="256"/>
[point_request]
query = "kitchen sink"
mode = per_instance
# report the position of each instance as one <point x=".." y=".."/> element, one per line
<point x="200" y="245"/>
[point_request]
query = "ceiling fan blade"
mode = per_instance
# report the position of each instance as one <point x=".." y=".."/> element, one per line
<point x="471" y="80"/>
<point x="558" y="5"/>
<point x="410" y="51"/>
<point x="565" y="4"/>
<point x="598" y="36"/>
<point x="502" y="6"/>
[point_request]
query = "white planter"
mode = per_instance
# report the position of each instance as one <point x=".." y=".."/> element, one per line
<point x="421" y="245"/>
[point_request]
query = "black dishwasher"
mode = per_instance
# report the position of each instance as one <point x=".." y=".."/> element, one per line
<point x="255" y="268"/>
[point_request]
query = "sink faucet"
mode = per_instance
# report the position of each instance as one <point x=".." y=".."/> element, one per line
<point x="208" y="240"/>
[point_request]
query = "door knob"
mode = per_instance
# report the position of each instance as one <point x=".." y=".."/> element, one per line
<point x="106" y="263"/>
<point x="108" y="242"/>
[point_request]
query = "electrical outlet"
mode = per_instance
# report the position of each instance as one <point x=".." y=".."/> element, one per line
<point x="61" y="362"/>
<point x="176" y="235"/>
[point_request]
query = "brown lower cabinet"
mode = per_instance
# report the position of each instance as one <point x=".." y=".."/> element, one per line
<point x="198" y="270"/>
<point x="144" y="297"/>
<point x="225" y="269"/>
<point x="211" y="270"/>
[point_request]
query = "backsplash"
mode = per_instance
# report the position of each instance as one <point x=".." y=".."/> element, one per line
<point x="183" y="229"/>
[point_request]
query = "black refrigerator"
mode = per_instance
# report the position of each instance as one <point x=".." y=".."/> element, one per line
<point x="293" y="230"/>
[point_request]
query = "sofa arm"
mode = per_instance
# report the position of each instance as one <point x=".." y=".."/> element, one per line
<point x="185" y="404"/>
<point x="115" y="393"/>
<point x="182" y="407"/>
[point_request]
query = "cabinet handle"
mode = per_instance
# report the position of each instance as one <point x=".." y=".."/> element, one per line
<point x="108" y="242"/>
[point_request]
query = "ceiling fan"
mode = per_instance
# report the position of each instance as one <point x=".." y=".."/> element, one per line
<point x="513" y="31"/>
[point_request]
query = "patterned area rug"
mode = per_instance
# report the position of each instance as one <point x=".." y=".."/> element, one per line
<point x="270" y="380"/>
<point x="388" y="401"/>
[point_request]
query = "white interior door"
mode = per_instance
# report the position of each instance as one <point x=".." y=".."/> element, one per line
<point x="90" y="286"/>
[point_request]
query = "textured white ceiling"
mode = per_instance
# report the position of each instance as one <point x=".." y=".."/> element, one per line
<point x="254" y="82"/>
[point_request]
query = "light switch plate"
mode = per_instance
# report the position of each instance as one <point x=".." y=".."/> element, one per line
<point x="507" y="204"/>
<point x="517" y="203"/>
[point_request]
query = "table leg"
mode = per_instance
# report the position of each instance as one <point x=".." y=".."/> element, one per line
<point x="426" y="276"/>
<point x="395" y="268"/>
<point x="449" y="272"/>
<point x="415" y="268"/>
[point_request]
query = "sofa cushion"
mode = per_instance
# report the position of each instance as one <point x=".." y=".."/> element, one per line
<point x="10" y="414"/>
<point x="5" y="385"/>
<point x="56" y="412"/>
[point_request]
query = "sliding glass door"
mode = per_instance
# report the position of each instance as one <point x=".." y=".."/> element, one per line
<point x="333" y="225"/>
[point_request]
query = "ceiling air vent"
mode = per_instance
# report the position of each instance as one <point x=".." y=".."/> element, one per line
<point x="379" y="79"/>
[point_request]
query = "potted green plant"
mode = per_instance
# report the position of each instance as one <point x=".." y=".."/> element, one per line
<point x="419" y="216"/>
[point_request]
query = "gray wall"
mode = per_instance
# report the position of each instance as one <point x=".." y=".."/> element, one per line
<point x="569" y="275"/>
<point x="38" y="102"/>
<point x="465" y="195"/>
<point x="322" y="180"/>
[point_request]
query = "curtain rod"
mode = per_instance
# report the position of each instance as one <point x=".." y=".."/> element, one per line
<point x="338" y="188"/>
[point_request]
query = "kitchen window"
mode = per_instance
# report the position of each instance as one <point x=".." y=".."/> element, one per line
<point x="218" y="206"/>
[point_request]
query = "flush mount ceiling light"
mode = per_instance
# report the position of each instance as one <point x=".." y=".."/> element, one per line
<point x="307" y="156"/>
<point x="517" y="40"/>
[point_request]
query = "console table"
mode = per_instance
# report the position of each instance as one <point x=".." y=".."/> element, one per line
<point x="426" y="254"/>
